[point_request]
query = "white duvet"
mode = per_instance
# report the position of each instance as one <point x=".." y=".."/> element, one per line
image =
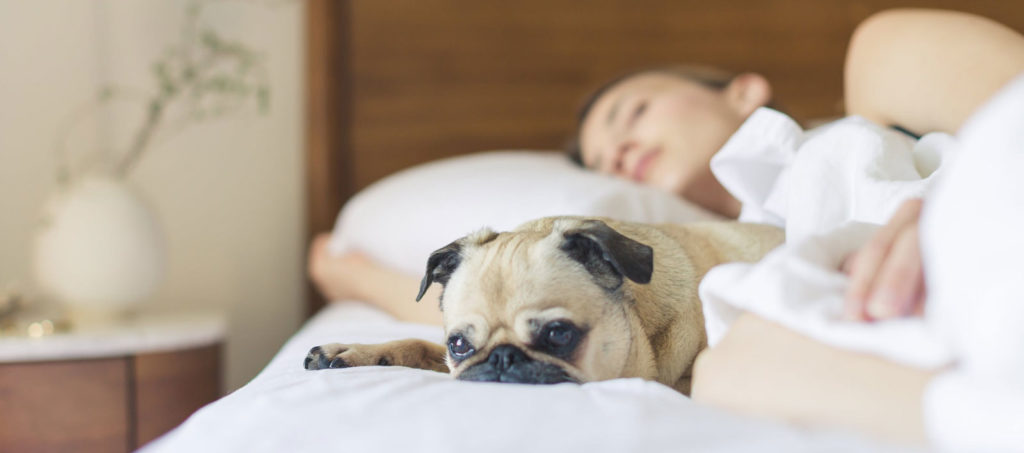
<point x="394" y="409"/>
<point x="851" y="174"/>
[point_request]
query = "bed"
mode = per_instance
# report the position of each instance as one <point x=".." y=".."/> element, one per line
<point x="395" y="84"/>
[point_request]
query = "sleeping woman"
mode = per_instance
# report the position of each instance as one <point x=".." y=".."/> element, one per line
<point x="684" y="129"/>
<point x="952" y="265"/>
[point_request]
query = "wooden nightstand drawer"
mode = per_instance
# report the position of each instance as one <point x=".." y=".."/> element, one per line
<point x="170" y="386"/>
<point x="103" y="405"/>
<point x="79" y="405"/>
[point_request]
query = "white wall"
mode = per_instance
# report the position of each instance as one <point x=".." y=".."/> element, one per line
<point x="229" y="192"/>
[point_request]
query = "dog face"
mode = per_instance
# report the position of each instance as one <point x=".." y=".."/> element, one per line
<point x="543" y="305"/>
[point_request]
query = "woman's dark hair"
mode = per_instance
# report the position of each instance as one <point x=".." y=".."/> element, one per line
<point x="713" y="78"/>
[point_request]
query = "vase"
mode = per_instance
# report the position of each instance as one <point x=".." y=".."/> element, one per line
<point x="99" y="250"/>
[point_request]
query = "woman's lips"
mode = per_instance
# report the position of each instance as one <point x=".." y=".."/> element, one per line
<point x="644" y="164"/>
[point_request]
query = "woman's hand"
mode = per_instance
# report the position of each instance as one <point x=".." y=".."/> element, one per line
<point x="886" y="275"/>
<point x="335" y="276"/>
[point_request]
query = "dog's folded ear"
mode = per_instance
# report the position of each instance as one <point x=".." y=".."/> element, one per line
<point x="440" y="266"/>
<point x="608" y="255"/>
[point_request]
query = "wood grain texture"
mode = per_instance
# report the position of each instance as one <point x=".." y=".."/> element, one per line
<point x="328" y="93"/>
<point x="103" y="405"/>
<point x="170" y="386"/>
<point x="415" y="80"/>
<point x="328" y="103"/>
<point x="79" y="406"/>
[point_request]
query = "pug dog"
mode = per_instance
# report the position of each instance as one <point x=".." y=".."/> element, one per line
<point x="568" y="299"/>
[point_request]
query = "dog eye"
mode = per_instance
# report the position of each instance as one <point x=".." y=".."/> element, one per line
<point x="459" y="347"/>
<point x="559" y="334"/>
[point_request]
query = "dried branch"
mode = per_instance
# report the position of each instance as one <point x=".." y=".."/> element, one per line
<point x="204" y="68"/>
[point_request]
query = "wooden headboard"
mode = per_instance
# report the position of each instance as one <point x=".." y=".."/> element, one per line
<point x="393" y="83"/>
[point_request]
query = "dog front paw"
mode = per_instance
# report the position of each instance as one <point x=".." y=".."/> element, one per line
<point x="325" y="356"/>
<point x="336" y="355"/>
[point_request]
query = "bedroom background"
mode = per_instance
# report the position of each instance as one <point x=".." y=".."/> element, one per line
<point x="232" y="194"/>
<point x="359" y="90"/>
<point x="227" y="192"/>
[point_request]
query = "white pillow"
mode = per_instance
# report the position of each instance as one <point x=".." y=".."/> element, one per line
<point x="401" y="219"/>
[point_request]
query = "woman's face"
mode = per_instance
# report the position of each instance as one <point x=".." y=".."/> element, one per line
<point x="661" y="129"/>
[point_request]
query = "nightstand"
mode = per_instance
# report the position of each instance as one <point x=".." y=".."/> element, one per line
<point x="108" y="388"/>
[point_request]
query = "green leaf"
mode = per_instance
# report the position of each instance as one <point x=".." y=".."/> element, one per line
<point x="160" y="69"/>
<point x="192" y="10"/>
<point x="106" y="93"/>
<point x="164" y="79"/>
<point x="263" y="98"/>
<point x="210" y="39"/>
<point x="218" y="83"/>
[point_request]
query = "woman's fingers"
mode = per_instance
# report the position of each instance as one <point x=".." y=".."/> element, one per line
<point x="898" y="289"/>
<point x="865" y="265"/>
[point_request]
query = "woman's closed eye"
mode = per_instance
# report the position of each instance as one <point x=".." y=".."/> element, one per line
<point x="638" y="110"/>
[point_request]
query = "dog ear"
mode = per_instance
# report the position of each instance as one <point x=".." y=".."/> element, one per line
<point x="440" y="266"/>
<point x="608" y="255"/>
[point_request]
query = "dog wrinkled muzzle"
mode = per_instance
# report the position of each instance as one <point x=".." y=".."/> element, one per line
<point x="509" y="364"/>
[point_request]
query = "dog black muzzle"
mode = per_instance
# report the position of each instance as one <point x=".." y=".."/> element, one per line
<point x="507" y="363"/>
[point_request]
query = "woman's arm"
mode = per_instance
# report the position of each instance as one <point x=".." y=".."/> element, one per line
<point x="763" y="369"/>
<point x="356" y="276"/>
<point x="928" y="70"/>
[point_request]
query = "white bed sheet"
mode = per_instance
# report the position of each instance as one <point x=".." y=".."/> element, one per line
<point x="397" y="409"/>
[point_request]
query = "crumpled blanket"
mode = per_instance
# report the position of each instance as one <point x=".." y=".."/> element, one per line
<point x="800" y="286"/>
<point x="972" y="244"/>
<point x="830" y="188"/>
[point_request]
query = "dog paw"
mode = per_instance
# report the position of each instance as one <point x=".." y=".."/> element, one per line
<point x="336" y="355"/>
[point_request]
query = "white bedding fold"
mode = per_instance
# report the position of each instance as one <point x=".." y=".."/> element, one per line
<point x="830" y="188"/>
<point x="972" y="244"/>
<point x="799" y="286"/>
